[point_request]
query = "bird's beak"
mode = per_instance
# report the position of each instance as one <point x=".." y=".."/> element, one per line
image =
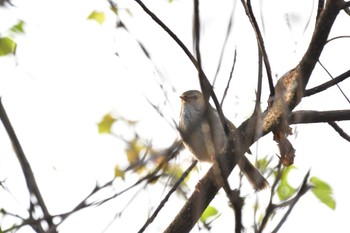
<point x="183" y="98"/>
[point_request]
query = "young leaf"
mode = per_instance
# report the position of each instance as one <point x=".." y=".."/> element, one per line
<point x="98" y="16"/>
<point x="105" y="125"/>
<point x="323" y="192"/>
<point x="285" y="190"/>
<point x="18" y="28"/>
<point x="7" y="46"/>
<point x="210" y="211"/>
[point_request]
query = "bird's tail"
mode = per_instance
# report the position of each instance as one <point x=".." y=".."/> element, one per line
<point x="254" y="176"/>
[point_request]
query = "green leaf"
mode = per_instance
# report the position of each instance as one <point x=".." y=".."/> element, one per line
<point x="209" y="212"/>
<point x="263" y="163"/>
<point x="7" y="46"/>
<point x="323" y="192"/>
<point x="98" y="16"/>
<point x="105" y="125"/>
<point x="18" y="28"/>
<point x="285" y="190"/>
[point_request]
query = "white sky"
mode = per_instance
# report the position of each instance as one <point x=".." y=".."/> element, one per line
<point x="66" y="76"/>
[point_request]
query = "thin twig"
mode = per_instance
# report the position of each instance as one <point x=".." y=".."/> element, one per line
<point x="223" y="49"/>
<point x="249" y="11"/>
<point x="169" y="154"/>
<point x="230" y="78"/>
<point x="341" y="132"/>
<point x="337" y="37"/>
<point x="257" y="107"/>
<point x="150" y="177"/>
<point x="271" y="207"/>
<point x="328" y="84"/>
<point x="204" y="82"/>
<point x="166" y="198"/>
<point x="303" y="189"/>
<point x="329" y="74"/>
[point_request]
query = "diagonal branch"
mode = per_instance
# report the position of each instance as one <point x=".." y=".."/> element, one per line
<point x="166" y="198"/>
<point x="26" y="168"/>
<point x="249" y="11"/>
<point x="303" y="189"/>
<point x="224" y="45"/>
<point x="206" y="87"/>
<point x="328" y="84"/>
<point x="230" y="78"/>
<point x="341" y="132"/>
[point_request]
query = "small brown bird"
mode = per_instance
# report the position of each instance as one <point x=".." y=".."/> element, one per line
<point x="195" y="132"/>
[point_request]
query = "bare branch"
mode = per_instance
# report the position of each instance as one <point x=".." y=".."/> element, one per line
<point x="270" y="207"/>
<point x="228" y="31"/>
<point x="196" y="32"/>
<point x="259" y="85"/>
<point x="339" y="130"/>
<point x="306" y="117"/>
<point x="166" y="198"/>
<point x="238" y="203"/>
<point x="169" y="154"/>
<point x="249" y="11"/>
<point x="230" y="78"/>
<point x="319" y="39"/>
<point x="26" y="168"/>
<point x="206" y="87"/>
<point x="303" y="189"/>
<point x="328" y="84"/>
<point x="329" y="74"/>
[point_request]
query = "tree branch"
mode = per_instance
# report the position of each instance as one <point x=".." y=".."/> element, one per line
<point x="306" y="117"/>
<point x="249" y="11"/>
<point x="341" y="132"/>
<point x="303" y="189"/>
<point x="223" y="49"/>
<point x="166" y="198"/>
<point x="196" y="32"/>
<point x="328" y="84"/>
<point x="26" y="168"/>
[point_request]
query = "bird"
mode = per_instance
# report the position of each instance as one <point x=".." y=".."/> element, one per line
<point x="195" y="132"/>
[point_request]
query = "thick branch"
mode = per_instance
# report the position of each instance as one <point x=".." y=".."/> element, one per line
<point x="306" y="117"/>
<point x="319" y="38"/>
